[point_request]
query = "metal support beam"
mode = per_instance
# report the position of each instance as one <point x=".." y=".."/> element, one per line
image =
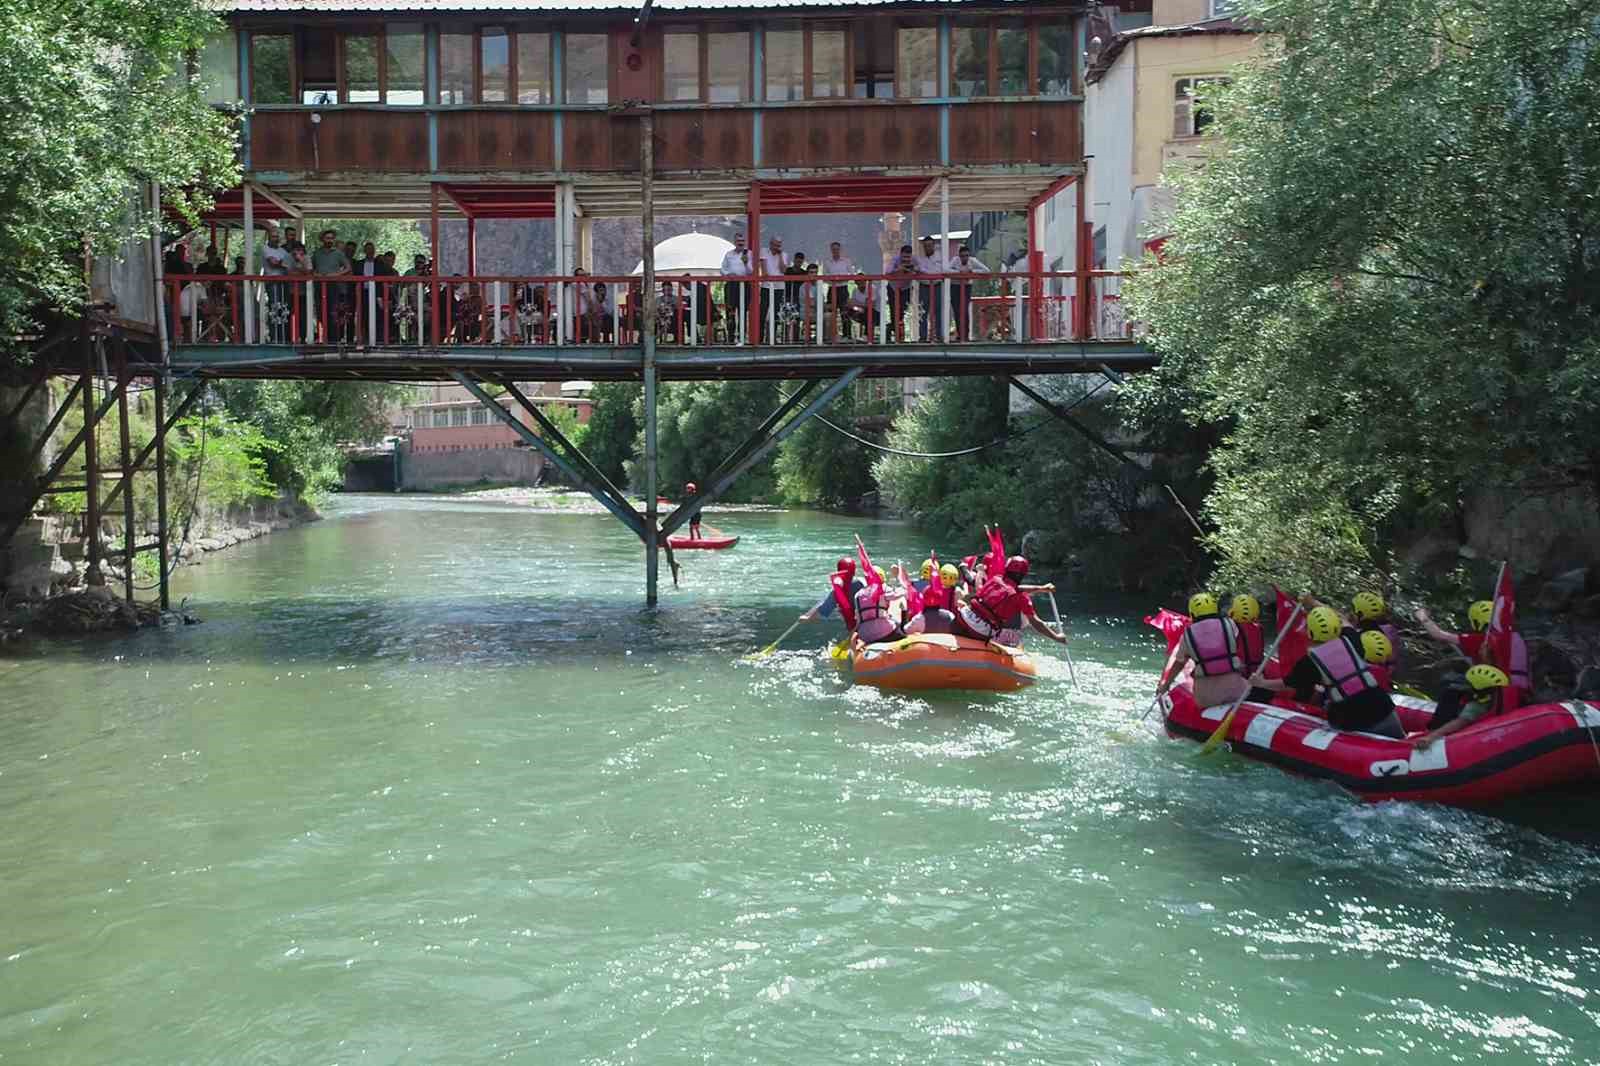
<point x="55" y="421"/>
<point x="161" y="486"/>
<point x="628" y="516"/>
<point x="91" y="458"/>
<point x="681" y="515"/>
<point x="1090" y="435"/>
<point x="124" y="457"/>
<point x="157" y="442"/>
<point x="647" y="331"/>
<point x="553" y="433"/>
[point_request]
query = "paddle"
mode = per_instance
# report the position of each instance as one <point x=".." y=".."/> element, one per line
<point x="770" y="648"/>
<point x="1216" y="738"/>
<point x="1061" y="629"/>
<point x="841" y="650"/>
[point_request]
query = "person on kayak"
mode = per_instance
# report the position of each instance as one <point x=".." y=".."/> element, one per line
<point x="1489" y="685"/>
<point x="998" y="599"/>
<point x="1337" y="664"/>
<point x="689" y="492"/>
<point x="842" y="587"/>
<point x="1372" y="615"/>
<point x="1475" y="646"/>
<point x="1212" y="643"/>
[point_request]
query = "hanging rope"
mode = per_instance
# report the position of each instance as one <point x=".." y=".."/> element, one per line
<point x="886" y="450"/>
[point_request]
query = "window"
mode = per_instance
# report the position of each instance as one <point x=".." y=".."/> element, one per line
<point x="969" y="60"/>
<point x="458" y="416"/>
<point x="1191" y="116"/>
<point x="361" y="70"/>
<point x="404" y="63"/>
<point x="680" y="55"/>
<point x="271" y="80"/>
<point x="1011" y="58"/>
<point x="727" y="67"/>
<point x="420" y="419"/>
<point x="1055" y="57"/>
<point x="1220" y="8"/>
<point x="786" y="64"/>
<point x="441" y="418"/>
<point x="319" y="67"/>
<point x="455" y="68"/>
<point x="480" y="415"/>
<point x="916" y="61"/>
<point x="218" y="67"/>
<point x="587" y="68"/>
<point x="874" y="59"/>
<point x="828" y="77"/>
<point x="534" y="82"/>
<point x="494" y="61"/>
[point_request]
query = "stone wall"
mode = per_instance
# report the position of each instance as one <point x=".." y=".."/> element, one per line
<point x="432" y="470"/>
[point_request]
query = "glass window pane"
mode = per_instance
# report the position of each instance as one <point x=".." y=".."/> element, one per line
<point x="319" y="67"/>
<point x="219" y="69"/>
<point x="728" y="67"/>
<point x="495" y="49"/>
<point x="586" y="68"/>
<point x="533" y="69"/>
<point x="827" y="63"/>
<point x="361" y="70"/>
<point x="1055" y="57"/>
<point x="916" y="61"/>
<point x="1011" y="58"/>
<point x="681" y="60"/>
<point x="786" y="64"/>
<point x="455" y="68"/>
<point x="269" y="69"/>
<point x="874" y="59"/>
<point x="969" y="69"/>
<point x="405" y="59"/>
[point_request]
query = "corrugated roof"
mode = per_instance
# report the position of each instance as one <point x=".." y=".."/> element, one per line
<point x="1102" y="62"/>
<point x="554" y="6"/>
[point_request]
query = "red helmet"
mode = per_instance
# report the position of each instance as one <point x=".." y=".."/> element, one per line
<point x="691" y="488"/>
<point x="847" y="566"/>
<point x="1016" y="566"/>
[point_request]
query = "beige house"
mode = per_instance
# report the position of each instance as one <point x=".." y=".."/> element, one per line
<point x="1141" y="116"/>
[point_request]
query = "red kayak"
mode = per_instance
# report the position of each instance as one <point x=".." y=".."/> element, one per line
<point x="1506" y="755"/>
<point x="708" y="543"/>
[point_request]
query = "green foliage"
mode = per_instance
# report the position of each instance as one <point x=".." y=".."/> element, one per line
<point x="307" y="421"/>
<point x="232" y="457"/>
<point x="818" y="465"/>
<point x="613" y="429"/>
<point x="96" y="101"/>
<point x="1382" y="294"/>
<point x="699" y="423"/>
<point x="402" y="237"/>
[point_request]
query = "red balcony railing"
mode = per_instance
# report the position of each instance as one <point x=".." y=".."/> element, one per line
<point x="799" y="309"/>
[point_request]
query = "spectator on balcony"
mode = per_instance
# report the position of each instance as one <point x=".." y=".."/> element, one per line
<point x="858" y="308"/>
<point x="468" y="312"/>
<point x="794" y="314"/>
<point x="291" y="240"/>
<point x="773" y="264"/>
<point x="900" y="281"/>
<point x="276" y="262"/>
<point x="373" y="265"/>
<point x="419" y="297"/>
<point x="595" y="308"/>
<point x="738" y="263"/>
<point x="533" y="313"/>
<point x="333" y="301"/>
<point x="930" y="310"/>
<point x="961" y="291"/>
<point x="837" y="265"/>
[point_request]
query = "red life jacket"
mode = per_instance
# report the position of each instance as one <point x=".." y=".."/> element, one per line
<point x="1213" y="644"/>
<point x="997" y="601"/>
<point x="1250" y="646"/>
<point x="935" y="597"/>
<point x="1343" y="669"/>
<point x="839" y="582"/>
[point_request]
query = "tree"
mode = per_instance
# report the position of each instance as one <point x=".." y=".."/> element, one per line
<point x="613" y="428"/>
<point x="699" y="423"/>
<point x="819" y="465"/>
<point x="97" y="101"/>
<point x="403" y="238"/>
<point x="307" y="421"/>
<point x="1382" y="292"/>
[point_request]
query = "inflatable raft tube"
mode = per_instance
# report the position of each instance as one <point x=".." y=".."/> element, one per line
<point x="708" y="543"/>
<point x="939" y="661"/>
<point x="1544" y="746"/>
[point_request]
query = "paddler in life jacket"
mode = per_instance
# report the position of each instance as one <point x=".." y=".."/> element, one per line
<point x="985" y="614"/>
<point x="1245" y="611"/>
<point x="1489" y="685"/>
<point x="938" y="603"/>
<point x="689" y="491"/>
<point x="1337" y="663"/>
<point x="1372" y="615"/>
<point x="878" y="612"/>
<point x="842" y="587"/>
<point x="1212" y="643"/>
<point x="1475" y="646"/>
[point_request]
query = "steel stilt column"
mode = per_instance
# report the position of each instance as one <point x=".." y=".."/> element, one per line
<point x="91" y="463"/>
<point x="124" y="459"/>
<point x="1088" y="434"/>
<point x="144" y="453"/>
<point x="681" y="515"/>
<point x="628" y="515"/>
<point x="161" y="482"/>
<point x="647" y="330"/>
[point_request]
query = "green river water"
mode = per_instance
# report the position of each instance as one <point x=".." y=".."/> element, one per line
<point x="430" y="786"/>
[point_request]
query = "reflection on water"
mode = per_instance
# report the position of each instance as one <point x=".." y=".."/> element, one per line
<point x="429" y="785"/>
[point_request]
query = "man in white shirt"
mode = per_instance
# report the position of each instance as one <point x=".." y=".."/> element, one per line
<point x="738" y="263"/>
<point x="837" y="265"/>
<point x="961" y="291"/>
<point x="276" y="262"/>
<point x="773" y="264"/>
<point x="929" y="292"/>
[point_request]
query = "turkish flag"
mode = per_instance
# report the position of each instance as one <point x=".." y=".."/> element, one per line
<point x="1502" y="626"/>
<point x="1171" y="623"/>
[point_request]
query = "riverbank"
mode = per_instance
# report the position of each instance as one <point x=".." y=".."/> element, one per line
<point x="574" y="501"/>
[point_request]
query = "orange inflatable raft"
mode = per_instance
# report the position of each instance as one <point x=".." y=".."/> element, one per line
<point x="935" y="661"/>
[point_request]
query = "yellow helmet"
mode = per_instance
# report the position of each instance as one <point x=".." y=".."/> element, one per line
<point x="1244" y="608"/>
<point x="1376" y="647"/>
<point x="949" y="576"/>
<point x="927" y="569"/>
<point x="1368" y="606"/>
<point x="1323" y="624"/>
<point x="1480" y="613"/>
<point x="879" y="571"/>
<point x="1202" y="605"/>
<point x="1483" y="676"/>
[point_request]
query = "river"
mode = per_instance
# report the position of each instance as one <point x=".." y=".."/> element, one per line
<point x="429" y="785"/>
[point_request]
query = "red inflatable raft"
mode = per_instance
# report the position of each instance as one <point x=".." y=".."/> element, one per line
<point x="1527" y="750"/>
<point x="940" y="661"/>
<point x="708" y="543"/>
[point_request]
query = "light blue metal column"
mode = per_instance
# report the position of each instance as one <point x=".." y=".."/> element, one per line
<point x="558" y="79"/>
<point x="944" y="89"/>
<point x="758" y="92"/>
<point x="244" y="95"/>
<point x="430" y="93"/>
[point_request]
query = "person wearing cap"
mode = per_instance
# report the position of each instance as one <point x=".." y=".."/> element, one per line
<point x="929" y="292"/>
<point x="961" y="290"/>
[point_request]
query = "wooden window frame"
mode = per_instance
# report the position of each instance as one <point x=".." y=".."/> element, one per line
<point x="702" y="61"/>
<point x="516" y="31"/>
<point x="849" y="77"/>
<point x="992" y="26"/>
<point x="294" y="63"/>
